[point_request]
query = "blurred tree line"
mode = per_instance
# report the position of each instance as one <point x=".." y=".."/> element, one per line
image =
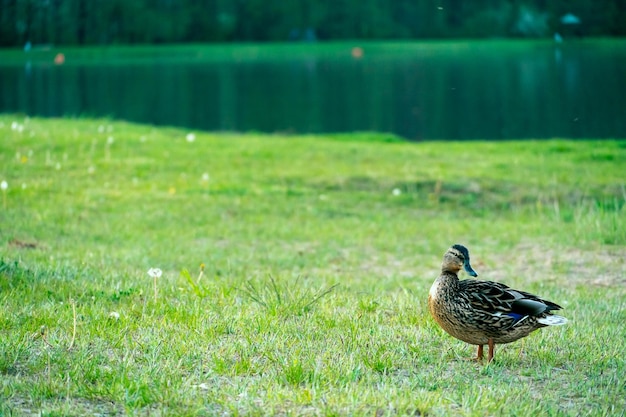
<point x="88" y="22"/>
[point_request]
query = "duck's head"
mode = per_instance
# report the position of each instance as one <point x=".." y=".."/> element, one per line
<point x="455" y="258"/>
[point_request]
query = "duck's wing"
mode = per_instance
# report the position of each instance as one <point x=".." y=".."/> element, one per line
<point x="487" y="296"/>
<point x="528" y="296"/>
<point x="493" y="297"/>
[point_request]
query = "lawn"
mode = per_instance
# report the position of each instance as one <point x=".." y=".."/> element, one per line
<point x="296" y="271"/>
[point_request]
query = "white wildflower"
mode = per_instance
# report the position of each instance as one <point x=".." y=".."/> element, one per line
<point x="155" y="272"/>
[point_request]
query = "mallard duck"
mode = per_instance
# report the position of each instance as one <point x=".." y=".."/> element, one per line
<point x="485" y="312"/>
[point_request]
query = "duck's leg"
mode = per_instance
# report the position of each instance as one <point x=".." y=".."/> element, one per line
<point x="491" y="350"/>
<point x="479" y="354"/>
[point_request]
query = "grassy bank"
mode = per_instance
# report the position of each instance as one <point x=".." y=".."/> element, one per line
<point x="318" y="254"/>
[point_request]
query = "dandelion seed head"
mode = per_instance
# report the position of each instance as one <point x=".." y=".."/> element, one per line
<point x="4" y="185"/>
<point x="396" y="191"/>
<point x="190" y="137"/>
<point x="155" y="272"/>
<point x="110" y="140"/>
<point x="205" y="177"/>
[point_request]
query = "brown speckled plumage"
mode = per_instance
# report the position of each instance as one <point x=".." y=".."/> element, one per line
<point x="484" y="312"/>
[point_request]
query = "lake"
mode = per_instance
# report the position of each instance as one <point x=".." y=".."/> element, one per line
<point x="421" y="91"/>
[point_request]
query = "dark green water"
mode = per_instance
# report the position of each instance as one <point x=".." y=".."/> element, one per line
<point x="478" y="91"/>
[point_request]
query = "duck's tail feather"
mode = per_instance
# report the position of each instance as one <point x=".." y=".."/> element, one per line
<point x="552" y="320"/>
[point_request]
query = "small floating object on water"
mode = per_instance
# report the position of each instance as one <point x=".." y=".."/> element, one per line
<point x="59" y="59"/>
<point x="357" y="52"/>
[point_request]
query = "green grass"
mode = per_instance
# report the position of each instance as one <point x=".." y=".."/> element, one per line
<point x="318" y="253"/>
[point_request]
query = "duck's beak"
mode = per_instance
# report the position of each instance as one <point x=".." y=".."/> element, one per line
<point x="468" y="269"/>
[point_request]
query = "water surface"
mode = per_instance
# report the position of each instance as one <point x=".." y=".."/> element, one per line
<point x="482" y="90"/>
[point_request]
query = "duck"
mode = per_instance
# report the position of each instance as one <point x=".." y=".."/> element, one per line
<point x="485" y="312"/>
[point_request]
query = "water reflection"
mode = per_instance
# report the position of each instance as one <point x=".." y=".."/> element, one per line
<point x="549" y="91"/>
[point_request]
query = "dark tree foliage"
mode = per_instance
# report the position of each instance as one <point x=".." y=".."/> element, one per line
<point x="93" y="22"/>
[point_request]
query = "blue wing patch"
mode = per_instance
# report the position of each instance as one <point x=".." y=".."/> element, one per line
<point x="517" y="317"/>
